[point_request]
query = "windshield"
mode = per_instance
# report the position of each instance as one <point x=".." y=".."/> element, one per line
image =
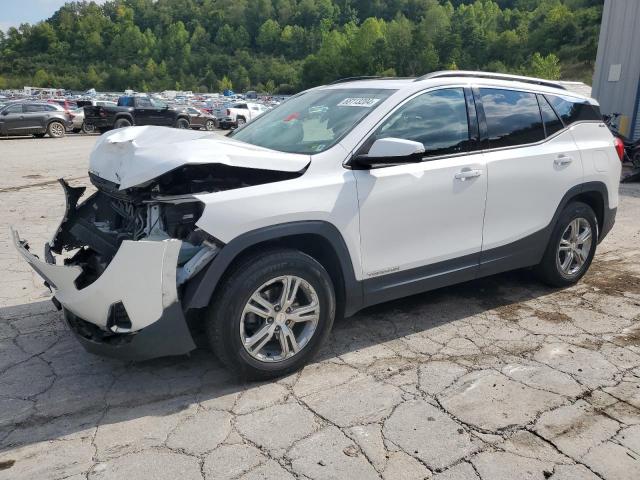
<point x="312" y="122"/>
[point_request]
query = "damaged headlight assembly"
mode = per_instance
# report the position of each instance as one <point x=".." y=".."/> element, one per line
<point x="118" y="260"/>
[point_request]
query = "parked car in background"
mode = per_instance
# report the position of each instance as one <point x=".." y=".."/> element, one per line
<point x="242" y="112"/>
<point x="67" y="105"/>
<point x="78" y="124"/>
<point x="34" y="118"/>
<point x="200" y="119"/>
<point x="100" y="103"/>
<point x="134" y="110"/>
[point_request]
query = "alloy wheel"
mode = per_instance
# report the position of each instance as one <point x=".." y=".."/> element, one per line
<point x="56" y="129"/>
<point x="279" y="319"/>
<point x="574" y="247"/>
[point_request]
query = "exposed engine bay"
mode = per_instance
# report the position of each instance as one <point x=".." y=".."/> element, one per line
<point x="161" y="209"/>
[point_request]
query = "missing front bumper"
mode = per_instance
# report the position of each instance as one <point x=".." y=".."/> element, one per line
<point x="142" y="278"/>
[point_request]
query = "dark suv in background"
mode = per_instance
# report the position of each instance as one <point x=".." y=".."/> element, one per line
<point x="34" y="118"/>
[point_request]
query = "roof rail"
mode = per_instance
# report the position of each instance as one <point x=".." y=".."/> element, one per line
<point x="490" y="75"/>
<point x="352" y="79"/>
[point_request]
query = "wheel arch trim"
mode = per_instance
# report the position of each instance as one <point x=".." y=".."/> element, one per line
<point x="198" y="292"/>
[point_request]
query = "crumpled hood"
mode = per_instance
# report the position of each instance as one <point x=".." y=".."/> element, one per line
<point x="134" y="155"/>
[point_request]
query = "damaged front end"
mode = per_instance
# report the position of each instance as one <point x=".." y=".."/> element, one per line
<point x="116" y="264"/>
<point x="121" y="257"/>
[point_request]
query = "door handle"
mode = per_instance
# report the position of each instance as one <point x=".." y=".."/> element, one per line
<point x="562" y="160"/>
<point x="467" y="173"/>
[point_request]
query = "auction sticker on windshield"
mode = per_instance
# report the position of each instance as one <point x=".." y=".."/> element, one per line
<point x="358" y="102"/>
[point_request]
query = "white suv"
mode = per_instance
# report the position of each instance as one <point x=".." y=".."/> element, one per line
<point x="345" y="196"/>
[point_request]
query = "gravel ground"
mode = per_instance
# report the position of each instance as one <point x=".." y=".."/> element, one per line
<point x="496" y="379"/>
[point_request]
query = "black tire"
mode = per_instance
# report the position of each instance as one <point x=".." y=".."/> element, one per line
<point x="209" y="125"/>
<point x="76" y="130"/>
<point x="122" y="123"/>
<point x="56" y="129"/>
<point x="182" y="123"/>
<point x="223" y="318"/>
<point x="240" y="121"/>
<point x="549" y="269"/>
<point x="87" y="129"/>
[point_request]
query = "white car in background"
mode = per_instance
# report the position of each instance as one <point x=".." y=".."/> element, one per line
<point x="345" y="196"/>
<point x="243" y="112"/>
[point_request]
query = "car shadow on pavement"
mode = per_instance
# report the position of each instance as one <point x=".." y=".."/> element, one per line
<point x="51" y="388"/>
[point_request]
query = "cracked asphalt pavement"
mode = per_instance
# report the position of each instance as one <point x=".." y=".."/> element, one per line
<point x="495" y="379"/>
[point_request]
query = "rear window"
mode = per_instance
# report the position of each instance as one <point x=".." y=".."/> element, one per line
<point x="552" y="123"/>
<point x="125" y="102"/>
<point x="573" y="110"/>
<point x="513" y="118"/>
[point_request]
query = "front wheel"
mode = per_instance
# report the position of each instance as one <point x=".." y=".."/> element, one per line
<point x="571" y="247"/>
<point x="209" y="125"/>
<point x="272" y="314"/>
<point x="240" y="121"/>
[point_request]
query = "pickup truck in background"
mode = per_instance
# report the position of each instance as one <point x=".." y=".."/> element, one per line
<point x="134" y="110"/>
<point x="240" y="113"/>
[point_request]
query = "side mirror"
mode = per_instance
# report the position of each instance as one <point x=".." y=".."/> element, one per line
<point x="5" y="113"/>
<point x="391" y="151"/>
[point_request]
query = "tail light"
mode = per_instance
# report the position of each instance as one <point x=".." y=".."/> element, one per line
<point x="619" y="144"/>
<point x="228" y="112"/>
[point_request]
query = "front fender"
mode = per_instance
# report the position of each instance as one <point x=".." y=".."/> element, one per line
<point x="199" y="290"/>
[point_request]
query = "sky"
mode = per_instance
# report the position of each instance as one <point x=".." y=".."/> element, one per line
<point x="15" y="12"/>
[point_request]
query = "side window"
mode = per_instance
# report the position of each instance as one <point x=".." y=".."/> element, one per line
<point x="14" y="108"/>
<point x="573" y="110"/>
<point x="513" y="118"/>
<point x="144" y="102"/>
<point x="50" y="108"/>
<point x="552" y="123"/>
<point x="33" y="108"/>
<point x="436" y="119"/>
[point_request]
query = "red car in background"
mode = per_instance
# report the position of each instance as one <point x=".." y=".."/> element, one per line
<point x="68" y="105"/>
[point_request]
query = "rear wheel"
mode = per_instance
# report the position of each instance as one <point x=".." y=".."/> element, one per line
<point x="86" y="128"/>
<point x="122" y="123"/>
<point x="182" y="123"/>
<point x="56" y="129"/>
<point x="272" y="314"/>
<point x="571" y="247"/>
<point x="241" y="121"/>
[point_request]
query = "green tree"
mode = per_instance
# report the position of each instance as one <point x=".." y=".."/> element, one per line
<point x="269" y="36"/>
<point x="544" y="67"/>
<point x="225" y="84"/>
<point x="41" y="78"/>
